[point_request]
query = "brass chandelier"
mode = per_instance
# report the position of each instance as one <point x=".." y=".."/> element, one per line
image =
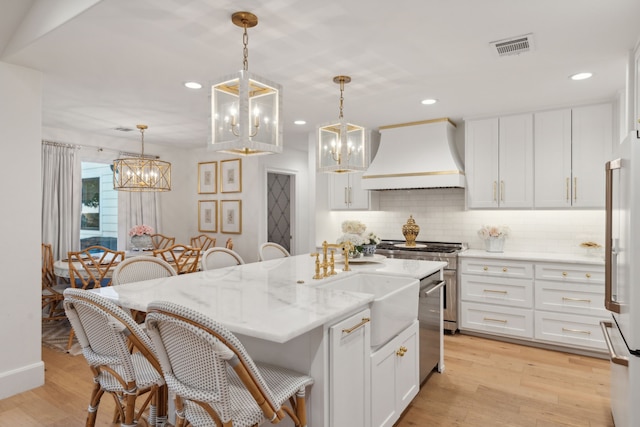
<point x="342" y="146"/>
<point x="141" y="173"/>
<point x="246" y="108"/>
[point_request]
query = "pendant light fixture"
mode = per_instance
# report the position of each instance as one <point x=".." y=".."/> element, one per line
<point x="141" y="173"/>
<point x="246" y="108"/>
<point x="342" y="147"/>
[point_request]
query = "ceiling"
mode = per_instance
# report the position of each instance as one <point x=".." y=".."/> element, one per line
<point x="117" y="63"/>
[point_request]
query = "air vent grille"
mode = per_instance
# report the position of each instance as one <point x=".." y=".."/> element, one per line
<point x="514" y="45"/>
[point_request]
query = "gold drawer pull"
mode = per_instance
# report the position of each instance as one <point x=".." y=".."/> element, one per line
<point x="576" y="299"/>
<point x="564" y="274"/>
<point x="485" y="268"/>
<point x="491" y="319"/>
<point x="504" y="269"/>
<point x="401" y="351"/>
<point x="494" y="291"/>
<point x="588" y="275"/>
<point x="353" y="328"/>
<point x="577" y="331"/>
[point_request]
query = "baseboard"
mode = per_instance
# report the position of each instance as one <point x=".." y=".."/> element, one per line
<point x="22" y="379"/>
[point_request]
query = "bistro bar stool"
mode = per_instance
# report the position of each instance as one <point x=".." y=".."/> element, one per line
<point x="220" y="257"/>
<point x="185" y="259"/>
<point x="51" y="291"/>
<point x="203" y="242"/>
<point x="215" y="381"/>
<point x="133" y="378"/>
<point x="271" y="250"/>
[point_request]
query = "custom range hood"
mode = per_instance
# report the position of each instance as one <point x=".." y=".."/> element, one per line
<point x="415" y="155"/>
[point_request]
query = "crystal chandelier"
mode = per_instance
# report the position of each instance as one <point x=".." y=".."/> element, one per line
<point x="141" y="173"/>
<point x="245" y="108"/>
<point x="342" y="147"/>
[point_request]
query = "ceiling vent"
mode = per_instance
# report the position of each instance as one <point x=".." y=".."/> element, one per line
<point x="513" y="45"/>
<point x="123" y="129"/>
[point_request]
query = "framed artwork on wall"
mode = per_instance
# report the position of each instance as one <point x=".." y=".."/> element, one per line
<point x="231" y="176"/>
<point x="231" y="216"/>
<point x="208" y="216"/>
<point x="207" y="177"/>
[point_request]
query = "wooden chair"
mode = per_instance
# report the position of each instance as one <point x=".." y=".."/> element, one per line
<point x="229" y="244"/>
<point x="271" y="250"/>
<point x="160" y="241"/>
<point x="184" y="259"/>
<point x="220" y="257"/>
<point x="203" y="242"/>
<point x="52" y="296"/>
<point x="215" y="380"/>
<point x="106" y="334"/>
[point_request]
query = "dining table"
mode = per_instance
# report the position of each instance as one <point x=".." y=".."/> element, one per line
<point x="61" y="266"/>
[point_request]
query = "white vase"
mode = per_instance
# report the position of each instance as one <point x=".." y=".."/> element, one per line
<point x="368" y="250"/>
<point x="141" y="242"/>
<point x="494" y="244"/>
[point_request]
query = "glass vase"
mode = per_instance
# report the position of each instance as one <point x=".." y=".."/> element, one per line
<point x="494" y="244"/>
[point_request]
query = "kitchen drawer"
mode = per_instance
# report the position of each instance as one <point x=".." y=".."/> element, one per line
<point x="576" y="298"/>
<point x="570" y="272"/>
<point x="570" y="330"/>
<point x="497" y="268"/>
<point x="497" y="290"/>
<point x="497" y="320"/>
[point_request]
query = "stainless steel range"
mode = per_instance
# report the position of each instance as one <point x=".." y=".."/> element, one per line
<point x="433" y="251"/>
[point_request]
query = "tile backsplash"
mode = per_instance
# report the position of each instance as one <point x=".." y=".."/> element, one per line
<point x="441" y="215"/>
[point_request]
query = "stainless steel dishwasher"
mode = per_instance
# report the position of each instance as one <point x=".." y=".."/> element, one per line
<point x="431" y="321"/>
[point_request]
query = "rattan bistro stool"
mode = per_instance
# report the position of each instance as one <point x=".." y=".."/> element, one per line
<point x="215" y="381"/>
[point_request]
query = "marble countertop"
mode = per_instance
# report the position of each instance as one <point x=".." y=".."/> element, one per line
<point x="274" y="300"/>
<point x="534" y="256"/>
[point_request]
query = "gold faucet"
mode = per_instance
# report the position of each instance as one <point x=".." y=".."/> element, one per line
<point x="328" y="260"/>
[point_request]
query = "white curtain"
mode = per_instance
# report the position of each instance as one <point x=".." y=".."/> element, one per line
<point x="137" y="208"/>
<point x="61" y="198"/>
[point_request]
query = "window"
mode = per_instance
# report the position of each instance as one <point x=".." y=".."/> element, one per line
<point x="90" y="217"/>
<point x="99" y="215"/>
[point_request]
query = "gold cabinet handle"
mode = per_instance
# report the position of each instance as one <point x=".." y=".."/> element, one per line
<point x="576" y="331"/>
<point x="576" y="299"/>
<point x="401" y="351"/>
<point x="567" y="189"/>
<point x="485" y="268"/>
<point x="564" y="274"/>
<point x="575" y="188"/>
<point x="364" y="321"/>
<point x="346" y="202"/>
<point x="350" y="200"/>
<point x="491" y="319"/>
<point x="502" y="191"/>
<point x="495" y="185"/>
<point x="494" y="291"/>
<point x="504" y="269"/>
<point x="588" y="275"/>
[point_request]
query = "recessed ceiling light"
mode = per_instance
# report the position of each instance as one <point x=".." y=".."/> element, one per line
<point x="429" y="101"/>
<point x="581" y="76"/>
<point x="300" y="122"/>
<point x="193" y="85"/>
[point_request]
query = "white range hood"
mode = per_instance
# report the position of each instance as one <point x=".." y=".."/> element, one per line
<point x="416" y="155"/>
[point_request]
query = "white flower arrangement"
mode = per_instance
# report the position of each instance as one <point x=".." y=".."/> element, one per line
<point x="371" y="239"/>
<point x="354" y="232"/>
<point x="492" y="231"/>
<point x="353" y="227"/>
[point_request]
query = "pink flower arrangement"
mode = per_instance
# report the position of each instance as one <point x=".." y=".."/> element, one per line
<point x="139" y="230"/>
<point x="492" y="231"/>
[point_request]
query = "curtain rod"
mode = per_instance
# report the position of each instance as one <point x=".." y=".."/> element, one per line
<point x="100" y="149"/>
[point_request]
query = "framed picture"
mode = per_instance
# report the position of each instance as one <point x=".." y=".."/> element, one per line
<point x="231" y="176"/>
<point x="208" y="216"/>
<point x="207" y="177"/>
<point x="231" y="216"/>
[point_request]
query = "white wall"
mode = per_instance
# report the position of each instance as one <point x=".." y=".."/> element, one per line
<point x="21" y="367"/>
<point x="441" y="215"/>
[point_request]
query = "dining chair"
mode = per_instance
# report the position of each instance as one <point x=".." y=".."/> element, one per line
<point x="52" y="296"/>
<point x="229" y="243"/>
<point x="160" y="241"/>
<point x="215" y="380"/>
<point x="220" y="257"/>
<point x="271" y="250"/>
<point x="106" y="333"/>
<point x="92" y="267"/>
<point x="184" y="259"/>
<point x="203" y="242"/>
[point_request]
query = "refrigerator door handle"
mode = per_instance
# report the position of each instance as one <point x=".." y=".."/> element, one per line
<point x="610" y="255"/>
<point x="618" y="360"/>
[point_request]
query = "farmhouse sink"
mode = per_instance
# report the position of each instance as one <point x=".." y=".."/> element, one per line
<point x="395" y="304"/>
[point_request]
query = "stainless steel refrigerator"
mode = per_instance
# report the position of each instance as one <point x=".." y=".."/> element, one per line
<point x="622" y="280"/>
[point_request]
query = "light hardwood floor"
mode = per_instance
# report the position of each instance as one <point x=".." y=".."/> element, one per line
<point x="486" y="384"/>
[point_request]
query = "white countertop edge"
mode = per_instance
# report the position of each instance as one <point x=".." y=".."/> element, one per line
<point x="533" y="256"/>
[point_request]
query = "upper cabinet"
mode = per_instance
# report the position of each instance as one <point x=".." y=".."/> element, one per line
<point x="571" y="147"/>
<point x="499" y="162"/>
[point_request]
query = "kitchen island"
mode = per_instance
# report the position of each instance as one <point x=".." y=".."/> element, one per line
<point x="284" y="317"/>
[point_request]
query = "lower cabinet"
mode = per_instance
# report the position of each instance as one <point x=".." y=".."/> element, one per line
<point x="394" y="377"/>
<point x="350" y="371"/>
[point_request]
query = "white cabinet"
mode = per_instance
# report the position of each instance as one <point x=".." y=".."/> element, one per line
<point x="571" y="147"/>
<point x="345" y="192"/>
<point x="349" y="371"/>
<point x="497" y="297"/>
<point x="499" y="162"/>
<point x="394" y="377"/>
